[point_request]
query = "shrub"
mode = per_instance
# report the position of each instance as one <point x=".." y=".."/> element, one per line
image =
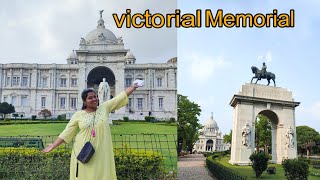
<point x="62" y="117"/>
<point x="6" y="119"/>
<point x="149" y="118"/>
<point x="45" y="113"/>
<point x="295" y="169"/>
<point x="222" y="172"/>
<point x="31" y="163"/>
<point x="126" y="119"/>
<point x="172" y="120"/>
<point x="134" y="164"/>
<point x="259" y="163"/>
<point x="33" y="117"/>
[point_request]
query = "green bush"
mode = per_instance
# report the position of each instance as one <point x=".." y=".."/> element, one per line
<point x="31" y="163"/>
<point x="134" y="164"/>
<point x="126" y="119"/>
<point x="221" y="172"/>
<point x="149" y="118"/>
<point x="295" y="169"/>
<point x="172" y="120"/>
<point x="6" y="119"/>
<point x="259" y="163"/>
<point x="62" y="117"/>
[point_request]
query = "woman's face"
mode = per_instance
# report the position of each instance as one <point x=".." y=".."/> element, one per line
<point x="91" y="100"/>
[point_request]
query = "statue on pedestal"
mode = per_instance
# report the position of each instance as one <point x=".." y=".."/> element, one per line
<point x="263" y="74"/>
<point x="103" y="91"/>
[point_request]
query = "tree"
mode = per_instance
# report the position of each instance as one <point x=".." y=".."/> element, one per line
<point x="307" y="138"/>
<point x="188" y="123"/>
<point x="263" y="133"/>
<point x="259" y="163"/>
<point x="45" y="113"/>
<point x="227" y="138"/>
<point x="6" y="108"/>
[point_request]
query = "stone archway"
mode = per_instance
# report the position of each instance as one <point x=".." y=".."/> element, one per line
<point x="209" y="145"/>
<point x="278" y="105"/>
<point x="96" y="75"/>
<point x="274" y="121"/>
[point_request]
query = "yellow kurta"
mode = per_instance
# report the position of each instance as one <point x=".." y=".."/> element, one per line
<point x="101" y="166"/>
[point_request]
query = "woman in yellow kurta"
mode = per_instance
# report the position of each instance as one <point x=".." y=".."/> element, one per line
<point x="93" y="123"/>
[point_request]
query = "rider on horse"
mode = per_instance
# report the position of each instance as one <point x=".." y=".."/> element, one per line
<point x="263" y="71"/>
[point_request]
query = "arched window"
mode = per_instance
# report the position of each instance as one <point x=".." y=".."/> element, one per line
<point x="159" y="81"/>
<point x="128" y="80"/>
<point x="63" y="81"/>
<point x="74" y="81"/>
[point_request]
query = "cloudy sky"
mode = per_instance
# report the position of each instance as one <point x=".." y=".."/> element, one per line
<point x="215" y="62"/>
<point x="45" y="31"/>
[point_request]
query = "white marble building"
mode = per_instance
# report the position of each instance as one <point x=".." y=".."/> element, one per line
<point x="210" y="138"/>
<point x="57" y="87"/>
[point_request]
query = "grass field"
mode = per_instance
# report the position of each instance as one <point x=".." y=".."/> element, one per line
<point x="159" y="137"/>
<point x="248" y="171"/>
<point x="56" y="129"/>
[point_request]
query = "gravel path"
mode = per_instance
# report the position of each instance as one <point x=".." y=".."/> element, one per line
<point x="192" y="167"/>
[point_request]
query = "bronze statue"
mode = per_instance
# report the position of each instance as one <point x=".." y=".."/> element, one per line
<point x="263" y="74"/>
<point x="263" y="70"/>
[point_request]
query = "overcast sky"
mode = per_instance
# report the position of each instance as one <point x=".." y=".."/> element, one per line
<point x="215" y="62"/>
<point x="46" y="31"/>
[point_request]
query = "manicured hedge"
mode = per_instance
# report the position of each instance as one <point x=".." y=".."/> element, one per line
<point x="30" y="163"/>
<point x="295" y="169"/>
<point x="133" y="164"/>
<point x="221" y="172"/>
<point x="23" y="163"/>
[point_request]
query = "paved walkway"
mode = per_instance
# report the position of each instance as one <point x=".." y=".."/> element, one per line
<point x="192" y="167"/>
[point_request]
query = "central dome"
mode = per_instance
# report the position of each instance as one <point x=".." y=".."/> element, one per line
<point x="101" y="34"/>
<point x="211" y="123"/>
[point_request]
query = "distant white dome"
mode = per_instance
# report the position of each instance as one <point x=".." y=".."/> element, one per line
<point x="211" y="123"/>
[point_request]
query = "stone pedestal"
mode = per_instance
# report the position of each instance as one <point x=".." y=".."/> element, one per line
<point x="274" y="102"/>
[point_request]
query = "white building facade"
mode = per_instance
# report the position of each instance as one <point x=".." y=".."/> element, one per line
<point x="57" y="87"/>
<point x="210" y="138"/>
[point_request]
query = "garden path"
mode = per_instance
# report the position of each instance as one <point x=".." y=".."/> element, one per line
<point x="192" y="167"/>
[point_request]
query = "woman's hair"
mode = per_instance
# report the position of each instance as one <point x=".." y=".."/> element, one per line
<point x="84" y="96"/>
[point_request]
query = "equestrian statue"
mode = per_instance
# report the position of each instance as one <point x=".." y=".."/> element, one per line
<point x="263" y="74"/>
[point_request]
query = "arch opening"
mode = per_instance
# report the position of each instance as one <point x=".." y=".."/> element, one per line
<point x="96" y="75"/>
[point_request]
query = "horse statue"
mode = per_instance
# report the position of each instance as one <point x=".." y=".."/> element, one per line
<point x="259" y="76"/>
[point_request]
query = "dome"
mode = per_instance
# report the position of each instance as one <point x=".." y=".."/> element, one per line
<point x="130" y="55"/>
<point x="211" y="123"/>
<point x="101" y="34"/>
<point x="73" y="55"/>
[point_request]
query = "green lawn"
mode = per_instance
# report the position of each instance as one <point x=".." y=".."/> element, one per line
<point x="248" y="171"/>
<point x="56" y="129"/>
<point x="144" y="136"/>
